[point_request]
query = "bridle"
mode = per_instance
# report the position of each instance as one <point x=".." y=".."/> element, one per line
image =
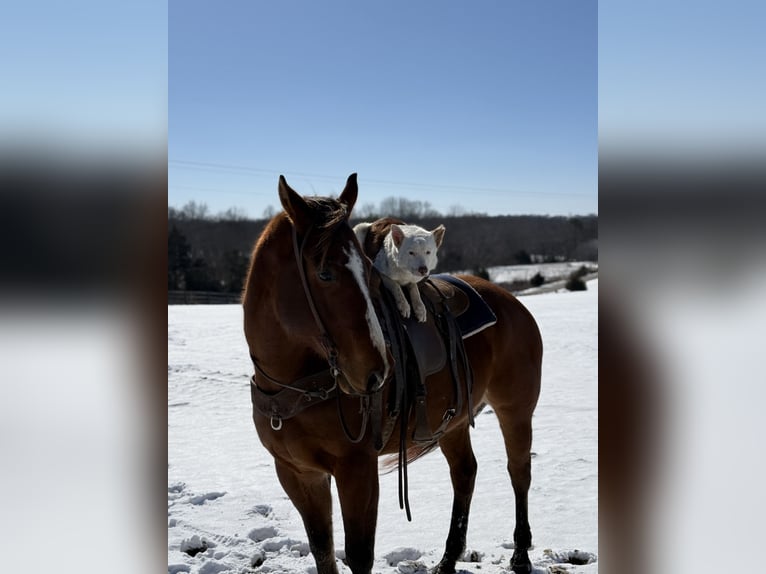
<point x="324" y="336"/>
<point x="331" y="349"/>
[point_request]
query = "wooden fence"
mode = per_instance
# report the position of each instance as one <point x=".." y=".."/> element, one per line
<point x="202" y="298"/>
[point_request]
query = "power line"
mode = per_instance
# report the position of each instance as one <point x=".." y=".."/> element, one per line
<point x="219" y="167"/>
<point x="219" y="190"/>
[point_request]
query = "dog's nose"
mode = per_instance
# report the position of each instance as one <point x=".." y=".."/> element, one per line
<point x="423" y="270"/>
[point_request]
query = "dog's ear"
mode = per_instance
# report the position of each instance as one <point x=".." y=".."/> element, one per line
<point x="296" y="207"/>
<point x="397" y="234"/>
<point x="439" y="235"/>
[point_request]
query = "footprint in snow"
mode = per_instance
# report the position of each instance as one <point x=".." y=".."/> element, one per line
<point x="260" y="510"/>
<point x="175" y="491"/>
<point x="276" y="544"/>
<point x="213" y="567"/>
<point x="196" y="544"/>
<point x="400" y="554"/>
<point x="202" y="498"/>
<point x="575" y="557"/>
<point x="176" y="487"/>
<point x="262" y="533"/>
<point x="411" y="567"/>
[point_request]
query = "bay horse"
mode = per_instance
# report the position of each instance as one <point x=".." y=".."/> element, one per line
<point x="319" y="352"/>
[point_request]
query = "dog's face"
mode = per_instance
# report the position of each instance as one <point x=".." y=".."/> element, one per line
<point x="417" y="249"/>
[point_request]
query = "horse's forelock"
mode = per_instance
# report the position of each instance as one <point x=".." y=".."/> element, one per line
<point x="331" y="215"/>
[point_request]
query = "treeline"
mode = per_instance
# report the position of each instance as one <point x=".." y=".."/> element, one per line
<point x="212" y="253"/>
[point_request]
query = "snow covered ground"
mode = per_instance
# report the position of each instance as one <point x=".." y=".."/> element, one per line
<point x="551" y="271"/>
<point x="225" y="505"/>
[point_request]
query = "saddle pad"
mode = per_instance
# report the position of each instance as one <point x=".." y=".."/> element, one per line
<point x="478" y="316"/>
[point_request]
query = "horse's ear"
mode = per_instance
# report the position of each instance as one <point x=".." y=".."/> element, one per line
<point x="295" y="206"/>
<point x="439" y="235"/>
<point x="348" y="196"/>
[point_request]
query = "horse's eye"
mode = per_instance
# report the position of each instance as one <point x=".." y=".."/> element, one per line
<point x="324" y="275"/>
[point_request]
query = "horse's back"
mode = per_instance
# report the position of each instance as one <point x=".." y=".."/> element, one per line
<point x="506" y="357"/>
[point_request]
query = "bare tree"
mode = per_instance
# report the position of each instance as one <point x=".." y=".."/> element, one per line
<point x="367" y="211"/>
<point x="406" y="209"/>
<point x="193" y="210"/>
<point x="233" y="214"/>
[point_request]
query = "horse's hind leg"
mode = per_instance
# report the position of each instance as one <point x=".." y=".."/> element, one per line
<point x="456" y="447"/>
<point x="310" y="493"/>
<point x="517" y="434"/>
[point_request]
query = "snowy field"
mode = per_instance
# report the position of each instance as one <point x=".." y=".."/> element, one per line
<point x="226" y="507"/>
<point x="551" y="271"/>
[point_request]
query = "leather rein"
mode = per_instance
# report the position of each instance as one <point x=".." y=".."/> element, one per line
<point x="307" y="389"/>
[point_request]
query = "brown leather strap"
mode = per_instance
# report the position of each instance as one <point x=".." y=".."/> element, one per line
<point x="392" y="327"/>
<point x="332" y="351"/>
<point x="457" y="352"/>
<point x="292" y="398"/>
<point x="364" y="409"/>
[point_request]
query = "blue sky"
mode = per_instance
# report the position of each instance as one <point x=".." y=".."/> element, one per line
<point x="682" y="77"/>
<point x="86" y="74"/>
<point x="490" y="105"/>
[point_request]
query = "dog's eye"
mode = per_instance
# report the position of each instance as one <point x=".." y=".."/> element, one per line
<point x="412" y="253"/>
<point x="428" y="253"/>
<point x="325" y="275"/>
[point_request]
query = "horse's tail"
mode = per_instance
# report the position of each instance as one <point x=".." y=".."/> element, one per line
<point x="390" y="462"/>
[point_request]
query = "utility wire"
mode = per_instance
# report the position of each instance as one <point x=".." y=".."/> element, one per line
<point x="219" y="167"/>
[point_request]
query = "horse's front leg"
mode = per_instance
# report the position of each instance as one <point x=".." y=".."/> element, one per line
<point x="357" y="481"/>
<point x="456" y="447"/>
<point x="310" y="494"/>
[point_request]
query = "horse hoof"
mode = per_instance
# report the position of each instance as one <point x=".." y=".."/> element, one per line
<point x="520" y="563"/>
<point x="443" y="568"/>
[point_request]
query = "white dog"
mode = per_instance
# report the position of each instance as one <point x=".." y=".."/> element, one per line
<point x="407" y="255"/>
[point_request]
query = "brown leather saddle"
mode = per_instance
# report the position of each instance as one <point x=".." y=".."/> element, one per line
<point x="446" y="292"/>
<point x="455" y="311"/>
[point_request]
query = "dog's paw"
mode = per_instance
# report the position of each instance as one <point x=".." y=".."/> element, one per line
<point x="404" y="308"/>
<point x="420" y="312"/>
